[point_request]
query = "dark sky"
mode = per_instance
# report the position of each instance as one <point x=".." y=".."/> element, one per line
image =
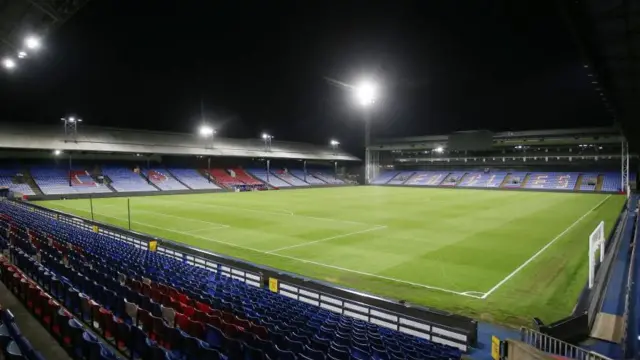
<point x="260" y="65"/>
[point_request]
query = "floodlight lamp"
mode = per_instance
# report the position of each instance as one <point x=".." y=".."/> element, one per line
<point x="8" y="63"/>
<point x="334" y="142"/>
<point x="439" y="150"/>
<point x="32" y="42"/>
<point x="206" y="130"/>
<point x="57" y="152"/>
<point x="366" y="93"/>
<point x="22" y="54"/>
<point x="265" y="136"/>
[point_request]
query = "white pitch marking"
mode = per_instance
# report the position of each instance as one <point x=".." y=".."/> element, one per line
<point x="466" y="293"/>
<point x="327" y="239"/>
<point x="542" y="250"/>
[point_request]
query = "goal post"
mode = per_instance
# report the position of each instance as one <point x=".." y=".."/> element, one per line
<point x="596" y="251"/>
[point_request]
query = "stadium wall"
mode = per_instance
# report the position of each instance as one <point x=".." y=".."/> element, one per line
<point x="435" y="325"/>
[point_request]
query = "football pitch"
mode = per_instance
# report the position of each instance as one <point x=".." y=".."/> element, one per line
<point x="499" y="256"/>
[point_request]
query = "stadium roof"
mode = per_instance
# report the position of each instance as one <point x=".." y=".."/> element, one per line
<point x="608" y="32"/>
<point x="19" y="18"/>
<point x="97" y="139"/>
<point x="604" y="135"/>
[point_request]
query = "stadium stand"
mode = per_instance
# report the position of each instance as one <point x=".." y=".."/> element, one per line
<point x="55" y="181"/>
<point x="428" y="178"/>
<point x="126" y="180"/>
<point x="588" y="182"/>
<point x="567" y="181"/>
<point x="453" y="178"/>
<point x="245" y="177"/>
<point x="312" y="180"/>
<point x="401" y="178"/>
<point x="552" y="181"/>
<point x="287" y="177"/>
<point x="327" y="176"/>
<point x="30" y="298"/>
<point x="384" y="177"/>
<point x="163" y="179"/>
<point x="514" y="179"/>
<point x="12" y="343"/>
<point x="162" y="305"/>
<point x="271" y="180"/>
<point x="224" y="178"/>
<point x="482" y="179"/>
<point x="8" y="176"/>
<point x="192" y="178"/>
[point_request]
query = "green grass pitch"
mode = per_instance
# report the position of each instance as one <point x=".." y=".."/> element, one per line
<point x="499" y="256"/>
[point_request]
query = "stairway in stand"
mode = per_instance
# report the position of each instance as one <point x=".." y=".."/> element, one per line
<point x="578" y="183"/>
<point x="599" y="182"/>
<point x="32" y="183"/>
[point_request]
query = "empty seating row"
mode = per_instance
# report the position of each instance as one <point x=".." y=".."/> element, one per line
<point x="288" y="177"/>
<point x="126" y="180"/>
<point x="193" y="179"/>
<point x="552" y="181"/>
<point x="163" y="179"/>
<point x="61" y="324"/>
<point x="12" y="344"/>
<point x="308" y="178"/>
<point x="284" y="328"/>
<point x="56" y="181"/>
<point x="269" y="178"/>
<point x="9" y="182"/>
<point x="611" y="182"/>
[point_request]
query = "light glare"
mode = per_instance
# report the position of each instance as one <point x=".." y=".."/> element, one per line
<point x="32" y="42"/>
<point x="57" y="152"/>
<point x="439" y="150"/>
<point x="334" y="142"/>
<point x="8" y="63"/>
<point x="22" y="55"/>
<point x="206" y="130"/>
<point x="366" y="93"/>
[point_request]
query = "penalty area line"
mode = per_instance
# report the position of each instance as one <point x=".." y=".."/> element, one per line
<point x="514" y="272"/>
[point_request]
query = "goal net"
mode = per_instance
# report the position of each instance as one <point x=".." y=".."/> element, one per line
<point x="596" y="251"/>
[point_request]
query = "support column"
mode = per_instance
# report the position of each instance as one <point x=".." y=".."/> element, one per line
<point x="70" y="166"/>
<point x="268" y="169"/>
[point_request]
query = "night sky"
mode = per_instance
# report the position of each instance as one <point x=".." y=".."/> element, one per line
<point x="260" y="66"/>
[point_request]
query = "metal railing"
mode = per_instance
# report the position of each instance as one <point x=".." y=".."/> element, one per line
<point x="554" y="346"/>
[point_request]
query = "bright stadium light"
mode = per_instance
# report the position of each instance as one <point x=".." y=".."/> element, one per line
<point x="57" y="152"/>
<point x="8" y="63"/>
<point x="334" y="142"/>
<point x="366" y="93"/>
<point x="206" y="130"/>
<point x="22" y="54"/>
<point x="439" y="150"/>
<point x="32" y="42"/>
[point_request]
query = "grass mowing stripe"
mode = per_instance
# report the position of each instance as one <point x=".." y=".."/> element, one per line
<point x="327" y="239"/>
<point x="465" y="293"/>
<point x="543" y="249"/>
<point x="268" y="212"/>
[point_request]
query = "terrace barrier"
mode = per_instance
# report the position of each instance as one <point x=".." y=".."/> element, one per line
<point x="431" y="324"/>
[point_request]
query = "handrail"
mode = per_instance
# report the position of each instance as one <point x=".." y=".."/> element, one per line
<point x="558" y="347"/>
